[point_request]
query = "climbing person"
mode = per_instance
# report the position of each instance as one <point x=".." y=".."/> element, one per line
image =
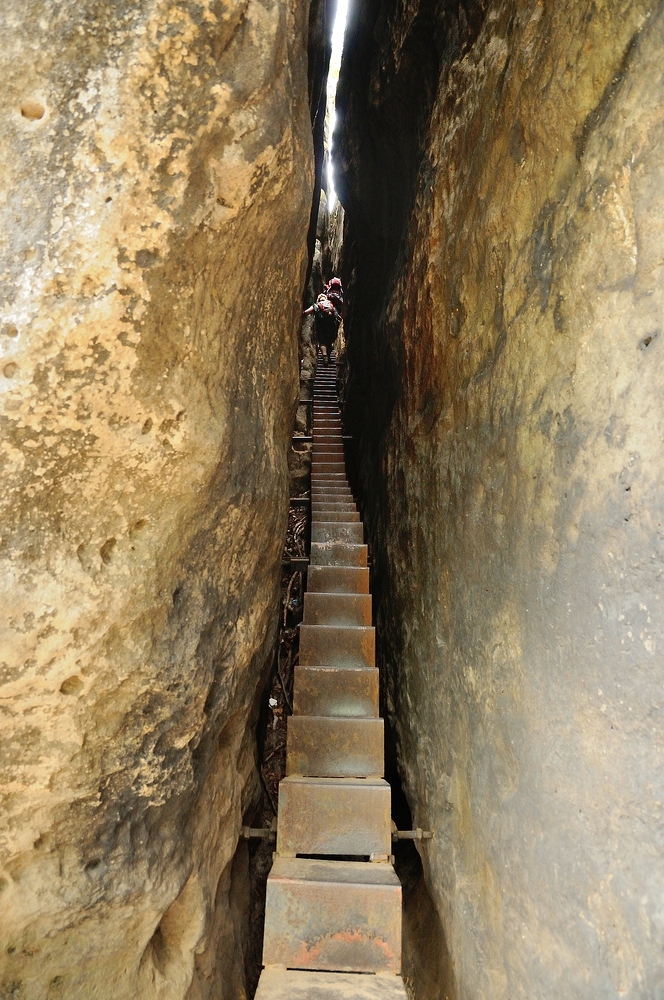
<point x="335" y="293"/>
<point x="326" y="324"/>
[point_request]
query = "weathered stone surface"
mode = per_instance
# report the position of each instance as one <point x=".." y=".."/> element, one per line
<point x="508" y="383"/>
<point x="155" y="194"/>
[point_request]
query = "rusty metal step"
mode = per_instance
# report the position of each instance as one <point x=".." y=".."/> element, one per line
<point x="337" y="531"/>
<point x="335" y="747"/>
<point x="337" y="645"/>
<point x="296" y="984"/>
<point x="334" y="816"/>
<point x="332" y="494"/>
<point x="337" y="609"/>
<point x="338" y="515"/>
<point x="332" y="466"/>
<point x="340" y="502"/>
<point x="320" y="508"/>
<point x="338" y="579"/>
<point x="322" y="500"/>
<point x="333" y="916"/>
<point x="320" y="495"/>
<point x="332" y="502"/>
<point x="338" y="553"/>
<point x="321" y="514"/>
<point x="344" y="692"/>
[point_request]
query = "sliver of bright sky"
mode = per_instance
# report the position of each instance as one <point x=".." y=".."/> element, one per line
<point x="332" y="80"/>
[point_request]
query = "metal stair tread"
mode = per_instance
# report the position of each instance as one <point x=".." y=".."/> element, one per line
<point x="299" y="984"/>
<point x="321" y="870"/>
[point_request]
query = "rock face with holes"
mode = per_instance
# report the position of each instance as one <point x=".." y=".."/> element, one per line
<point x="507" y="378"/>
<point x="155" y="196"/>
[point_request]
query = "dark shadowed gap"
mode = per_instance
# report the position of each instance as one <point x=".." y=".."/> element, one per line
<point x="427" y="968"/>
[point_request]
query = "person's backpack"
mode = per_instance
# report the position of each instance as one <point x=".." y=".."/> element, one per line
<point x="326" y="308"/>
<point x="337" y="300"/>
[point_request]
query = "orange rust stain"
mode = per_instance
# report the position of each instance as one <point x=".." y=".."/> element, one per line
<point x="308" y="954"/>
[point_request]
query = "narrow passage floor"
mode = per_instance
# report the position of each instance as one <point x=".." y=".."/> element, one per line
<point x="333" y="905"/>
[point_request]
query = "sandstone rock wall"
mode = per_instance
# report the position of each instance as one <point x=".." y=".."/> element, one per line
<point x="155" y="193"/>
<point x="507" y="376"/>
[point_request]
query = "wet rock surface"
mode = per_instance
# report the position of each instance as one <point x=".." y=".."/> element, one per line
<point x="156" y="192"/>
<point x="506" y="381"/>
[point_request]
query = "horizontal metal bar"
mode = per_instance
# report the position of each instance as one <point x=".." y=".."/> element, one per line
<point x="416" y="834"/>
<point x="296" y="562"/>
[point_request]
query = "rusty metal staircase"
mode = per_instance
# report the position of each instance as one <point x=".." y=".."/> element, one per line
<point x="333" y="905"/>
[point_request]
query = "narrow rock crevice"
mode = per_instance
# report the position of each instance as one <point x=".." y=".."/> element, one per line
<point x="500" y="369"/>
